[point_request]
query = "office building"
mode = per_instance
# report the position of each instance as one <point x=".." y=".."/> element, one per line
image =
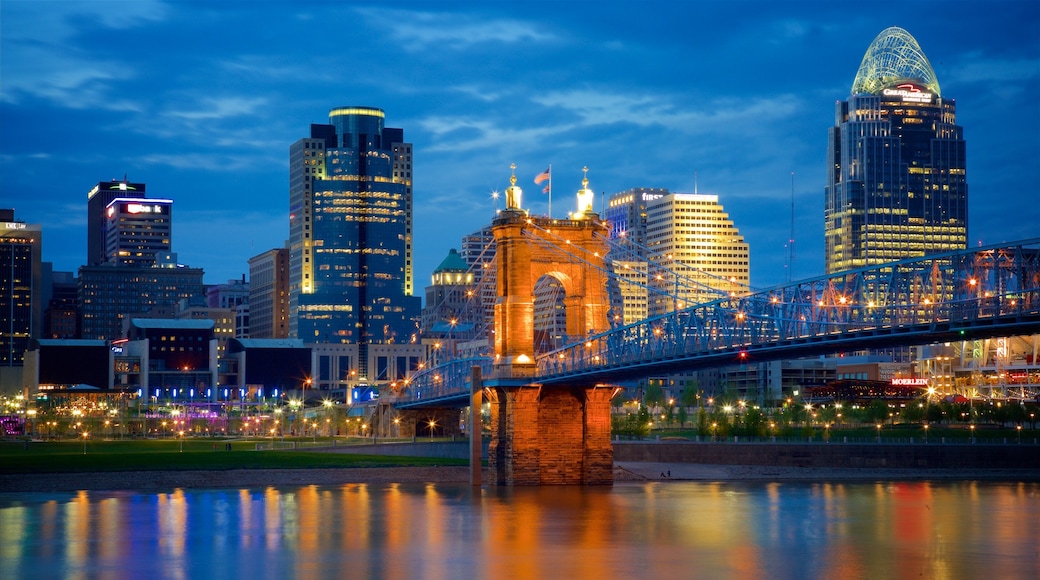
<point x="695" y="252"/>
<point x="110" y="295"/>
<point x="478" y="251"/>
<point x="269" y="294"/>
<point x="350" y="230"/>
<point x="138" y="232"/>
<point x="453" y="307"/>
<point x="896" y="178"/>
<point x="98" y="199"/>
<point x="626" y="215"/>
<point x="21" y="296"/>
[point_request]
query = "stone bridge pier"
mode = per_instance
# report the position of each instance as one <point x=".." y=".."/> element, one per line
<point x="543" y="435"/>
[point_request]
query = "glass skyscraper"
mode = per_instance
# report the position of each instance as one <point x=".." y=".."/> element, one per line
<point x="896" y="179"/>
<point x="350" y="232"/>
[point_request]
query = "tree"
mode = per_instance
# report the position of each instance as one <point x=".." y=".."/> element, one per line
<point x="654" y="396"/>
<point x="682" y="415"/>
<point x="690" y="396"/>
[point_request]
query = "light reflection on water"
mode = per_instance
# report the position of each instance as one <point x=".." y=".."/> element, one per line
<point x="671" y="530"/>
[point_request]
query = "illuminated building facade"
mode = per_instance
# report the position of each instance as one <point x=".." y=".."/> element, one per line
<point x="98" y="199"/>
<point x="896" y="180"/>
<point x="269" y="294"/>
<point x="630" y="301"/>
<point x="453" y="308"/>
<point x="21" y="295"/>
<point x="350" y="232"/>
<point x="695" y="252"/>
<point x="478" y="251"/>
<point x="108" y="295"/>
<point x="626" y="216"/>
<point x="137" y="231"/>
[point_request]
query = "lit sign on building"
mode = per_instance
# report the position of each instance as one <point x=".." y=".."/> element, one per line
<point x="142" y="208"/>
<point x="909" y="382"/>
<point x="909" y="93"/>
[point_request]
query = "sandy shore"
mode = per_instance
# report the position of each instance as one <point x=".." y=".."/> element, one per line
<point x="623" y="472"/>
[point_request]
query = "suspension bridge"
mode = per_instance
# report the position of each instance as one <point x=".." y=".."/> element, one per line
<point x="550" y="408"/>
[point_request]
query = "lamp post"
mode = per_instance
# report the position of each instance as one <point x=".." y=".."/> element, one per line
<point x="432" y="425"/>
<point x="85" y="435"/>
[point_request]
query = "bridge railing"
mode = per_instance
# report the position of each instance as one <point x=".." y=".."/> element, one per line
<point x="445" y="380"/>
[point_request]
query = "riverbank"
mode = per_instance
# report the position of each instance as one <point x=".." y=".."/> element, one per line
<point x="623" y="472"/>
<point x="236" y="478"/>
<point x="657" y="471"/>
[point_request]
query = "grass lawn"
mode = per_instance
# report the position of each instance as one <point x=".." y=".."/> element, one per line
<point x="167" y="455"/>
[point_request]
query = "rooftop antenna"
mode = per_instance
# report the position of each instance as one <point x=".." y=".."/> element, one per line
<point x="790" y="241"/>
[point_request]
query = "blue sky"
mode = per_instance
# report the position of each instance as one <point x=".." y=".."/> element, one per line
<point x="201" y="101"/>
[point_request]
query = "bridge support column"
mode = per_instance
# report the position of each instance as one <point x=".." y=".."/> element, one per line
<point x="550" y="435"/>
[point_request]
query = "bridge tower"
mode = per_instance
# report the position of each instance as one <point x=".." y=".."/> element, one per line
<point x="543" y="434"/>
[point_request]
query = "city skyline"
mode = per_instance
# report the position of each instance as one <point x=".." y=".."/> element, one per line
<point x="725" y="100"/>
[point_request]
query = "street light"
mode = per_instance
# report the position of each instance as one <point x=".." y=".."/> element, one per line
<point x="432" y="425"/>
<point x="85" y="435"/>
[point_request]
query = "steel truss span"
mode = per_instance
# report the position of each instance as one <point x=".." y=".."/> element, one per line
<point x="979" y="293"/>
<point x="985" y="292"/>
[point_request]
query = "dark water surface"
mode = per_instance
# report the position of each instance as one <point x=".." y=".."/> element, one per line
<point x="671" y="530"/>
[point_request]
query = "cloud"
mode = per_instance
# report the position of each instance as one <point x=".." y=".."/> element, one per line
<point x="976" y="68"/>
<point x="201" y="161"/>
<point x="602" y="108"/>
<point x="42" y="59"/>
<point x="459" y="134"/>
<point x="418" y="31"/>
<point x="220" y="108"/>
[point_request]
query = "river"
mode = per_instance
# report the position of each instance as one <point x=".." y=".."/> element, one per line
<point x="672" y="530"/>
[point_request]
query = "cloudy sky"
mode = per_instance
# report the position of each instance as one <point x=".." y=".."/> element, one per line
<point x="201" y="100"/>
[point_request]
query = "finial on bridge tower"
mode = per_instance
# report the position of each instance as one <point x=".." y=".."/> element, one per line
<point x="586" y="197"/>
<point x="513" y="192"/>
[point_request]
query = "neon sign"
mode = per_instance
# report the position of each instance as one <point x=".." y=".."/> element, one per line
<point x="909" y="382"/>
<point x="909" y="93"/>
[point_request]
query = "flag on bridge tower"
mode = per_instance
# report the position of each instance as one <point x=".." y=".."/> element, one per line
<point x="546" y="176"/>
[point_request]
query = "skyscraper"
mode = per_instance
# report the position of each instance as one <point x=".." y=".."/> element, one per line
<point x="896" y="179"/>
<point x="626" y="215"/>
<point x="696" y="253"/>
<point x="20" y="291"/>
<point x="350" y="230"/>
<point x="137" y="231"/>
<point x="98" y="199"/>
<point x="269" y="294"/>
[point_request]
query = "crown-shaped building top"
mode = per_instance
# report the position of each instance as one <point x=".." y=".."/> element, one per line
<point x="893" y="57"/>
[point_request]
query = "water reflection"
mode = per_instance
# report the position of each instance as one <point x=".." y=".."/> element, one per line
<point x="678" y="530"/>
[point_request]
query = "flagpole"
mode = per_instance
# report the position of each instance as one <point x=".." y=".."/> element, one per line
<point x="550" y="191"/>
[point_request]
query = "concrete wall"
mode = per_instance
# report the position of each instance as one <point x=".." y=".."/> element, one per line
<point x="446" y="449"/>
<point x="946" y="456"/>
